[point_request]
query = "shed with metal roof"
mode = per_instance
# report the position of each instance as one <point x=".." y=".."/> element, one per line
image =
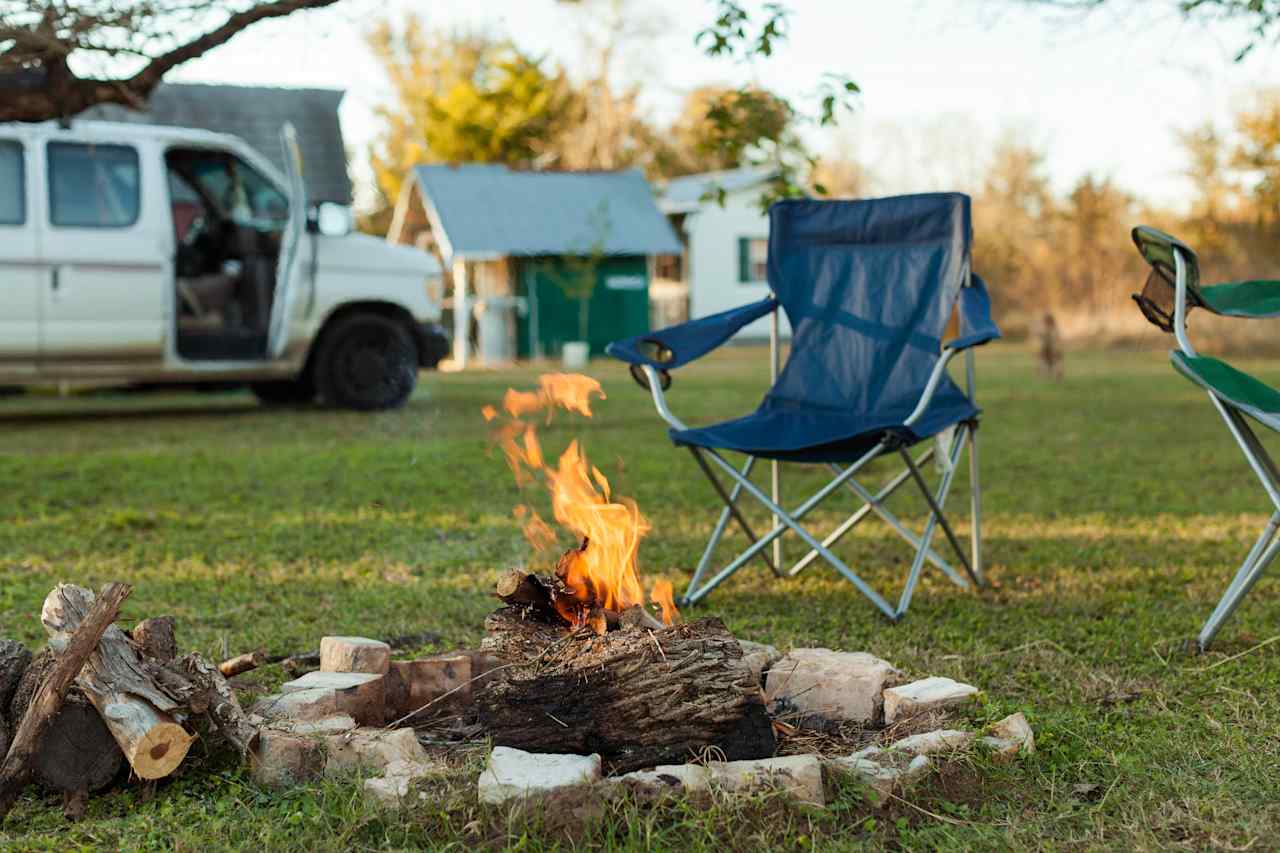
<point x="539" y="259"/>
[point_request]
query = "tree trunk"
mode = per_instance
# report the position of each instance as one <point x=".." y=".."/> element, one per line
<point x="78" y="753"/>
<point x="637" y="696"/>
<point x="138" y="711"/>
<point x="76" y="649"/>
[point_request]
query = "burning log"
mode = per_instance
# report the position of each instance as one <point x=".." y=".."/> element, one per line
<point x="639" y="697"/>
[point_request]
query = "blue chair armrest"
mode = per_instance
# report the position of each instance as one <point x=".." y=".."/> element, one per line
<point x="675" y="346"/>
<point x="976" y="325"/>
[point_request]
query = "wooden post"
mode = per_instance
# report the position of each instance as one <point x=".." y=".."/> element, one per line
<point x="16" y="767"/>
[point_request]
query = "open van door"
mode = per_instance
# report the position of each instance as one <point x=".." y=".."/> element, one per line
<point x="290" y="245"/>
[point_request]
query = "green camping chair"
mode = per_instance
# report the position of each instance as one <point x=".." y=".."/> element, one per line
<point x="1172" y="290"/>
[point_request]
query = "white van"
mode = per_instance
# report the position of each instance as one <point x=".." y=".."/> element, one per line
<point x="159" y="255"/>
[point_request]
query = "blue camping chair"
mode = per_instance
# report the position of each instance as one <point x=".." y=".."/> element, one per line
<point x="869" y="288"/>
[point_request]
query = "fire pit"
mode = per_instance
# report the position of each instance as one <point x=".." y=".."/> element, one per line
<point x="585" y="665"/>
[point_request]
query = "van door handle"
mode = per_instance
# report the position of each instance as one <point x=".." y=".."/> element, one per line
<point x="55" y="278"/>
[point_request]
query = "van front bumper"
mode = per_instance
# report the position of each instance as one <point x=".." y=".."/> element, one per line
<point x="433" y="343"/>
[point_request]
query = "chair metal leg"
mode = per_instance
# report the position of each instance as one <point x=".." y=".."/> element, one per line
<point x="718" y="532"/>
<point x="1244" y="580"/>
<point x="902" y="530"/>
<point x="869" y="505"/>
<point x="730" y="503"/>
<point x="936" y="516"/>
<point x="975" y="509"/>
<point x="1264" y="549"/>
<point x="791" y="521"/>
<point x="933" y="504"/>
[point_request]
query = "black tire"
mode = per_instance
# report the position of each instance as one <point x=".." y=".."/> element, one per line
<point x="366" y="362"/>
<point x="284" y="392"/>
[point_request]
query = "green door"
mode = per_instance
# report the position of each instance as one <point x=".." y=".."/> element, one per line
<point x="619" y="305"/>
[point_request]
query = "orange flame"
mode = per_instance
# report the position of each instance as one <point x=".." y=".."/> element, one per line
<point x="604" y="572"/>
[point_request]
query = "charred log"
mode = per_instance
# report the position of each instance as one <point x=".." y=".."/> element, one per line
<point x="637" y="697"/>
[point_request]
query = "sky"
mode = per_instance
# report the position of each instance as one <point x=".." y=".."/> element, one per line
<point x="942" y="80"/>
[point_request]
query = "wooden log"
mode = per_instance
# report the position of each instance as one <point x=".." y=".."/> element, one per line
<point x="14" y="660"/>
<point x="533" y="595"/>
<point x="156" y="638"/>
<point x="76" y="650"/>
<point x="77" y="753"/>
<point x="241" y="664"/>
<point x="220" y="703"/>
<point x="139" y="712"/>
<point x="638" y="697"/>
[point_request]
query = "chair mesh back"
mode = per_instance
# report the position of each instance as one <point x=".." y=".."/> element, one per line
<point x="868" y="287"/>
<point x="1158" y="298"/>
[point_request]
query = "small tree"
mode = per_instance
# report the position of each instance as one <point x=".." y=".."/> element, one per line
<point x="579" y="273"/>
<point x="60" y="57"/>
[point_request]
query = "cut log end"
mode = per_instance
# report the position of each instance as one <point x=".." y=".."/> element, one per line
<point x="159" y="751"/>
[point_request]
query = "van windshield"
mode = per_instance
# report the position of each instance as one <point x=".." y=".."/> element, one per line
<point x="240" y="193"/>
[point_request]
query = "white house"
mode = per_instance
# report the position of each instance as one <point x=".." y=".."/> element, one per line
<point x="726" y="244"/>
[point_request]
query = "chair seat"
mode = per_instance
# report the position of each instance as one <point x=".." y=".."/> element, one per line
<point x="1235" y="386"/>
<point x="777" y="431"/>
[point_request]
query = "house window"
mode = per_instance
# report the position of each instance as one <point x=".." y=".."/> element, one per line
<point x="93" y="186"/>
<point x="753" y="260"/>
<point x="13" y="196"/>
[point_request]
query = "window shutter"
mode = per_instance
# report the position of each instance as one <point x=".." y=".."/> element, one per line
<point x="744" y="259"/>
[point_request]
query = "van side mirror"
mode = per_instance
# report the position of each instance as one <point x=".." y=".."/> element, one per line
<point x="329" y="218"/>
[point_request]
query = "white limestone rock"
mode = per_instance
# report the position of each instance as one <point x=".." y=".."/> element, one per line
<point x="758" y="657"/>
<point x="927" y="694"/>
<point x="935" y="742"/>
<point x="362" y="695"/>
<point x="281" y="760"/>
<point x="1010" y="738"/>
<point x="354" y="654"/>
<point x="391" y="790"/>
<point x="798" y="775"/>
<point x="883" y="773"/>
<point x="327" y="726"/>
<point x="834" y="685"/>
<point x="681" y="777"/>
<point x="370" y="748"/>
<point x="514" y="773"/>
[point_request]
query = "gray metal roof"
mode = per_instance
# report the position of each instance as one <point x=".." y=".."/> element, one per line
<point x="687" y="193"/>
<point x="255" y="114"/>
<point x="489" y="209"/>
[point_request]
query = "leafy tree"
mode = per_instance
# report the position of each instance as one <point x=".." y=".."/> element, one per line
<point x="59" y="57"/>
<point x="462" y="98"/>
<point x="748" y="120"/>
<point x="720" y="127"/>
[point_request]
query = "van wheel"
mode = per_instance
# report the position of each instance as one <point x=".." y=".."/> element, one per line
<point x="284" y="392"/>
<point x="366" y="362"/>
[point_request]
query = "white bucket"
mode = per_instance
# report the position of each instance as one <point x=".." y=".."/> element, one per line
<point x="575" y="354"/>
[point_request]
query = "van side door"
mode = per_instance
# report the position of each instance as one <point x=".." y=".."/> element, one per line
<point x="108" y="254"/>
<point x="20" y="269"/>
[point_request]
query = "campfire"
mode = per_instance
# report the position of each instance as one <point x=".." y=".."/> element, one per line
<point x="592" y="664"/>
<point x="599" y="580"/>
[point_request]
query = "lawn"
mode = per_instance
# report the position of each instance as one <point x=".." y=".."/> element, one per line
<point x="1116" y="509"/>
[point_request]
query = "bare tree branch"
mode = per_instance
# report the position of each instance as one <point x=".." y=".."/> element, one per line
<point x="39" y="39"/>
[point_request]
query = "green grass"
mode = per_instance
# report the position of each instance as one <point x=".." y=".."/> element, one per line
<point x="1116" y="509"/>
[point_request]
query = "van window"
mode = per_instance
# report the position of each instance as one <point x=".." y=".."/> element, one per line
<point x="13" y="178"/>
<point x="239" y="192"/>
<point x="93" y="186"/>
